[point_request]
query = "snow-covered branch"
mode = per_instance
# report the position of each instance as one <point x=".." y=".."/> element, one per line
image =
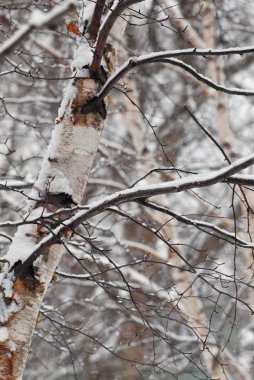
<point x="206" y="80"/>
<point x="167" y="56"/>
<point x="178" y="185"/>
<point x="38" y="19"/>
<point x="242" y="179"/>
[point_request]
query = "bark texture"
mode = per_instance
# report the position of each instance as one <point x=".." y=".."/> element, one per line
<point x="61" y="183"/>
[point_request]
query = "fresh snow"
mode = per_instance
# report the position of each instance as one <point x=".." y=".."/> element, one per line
<point x="7" y="310"/>
<point x="82" y="57"/>
<point x="4" y="334"/>
<point x="69" y="94"/>
<point x="20" y="246"/>
<point x="7" y="285"/>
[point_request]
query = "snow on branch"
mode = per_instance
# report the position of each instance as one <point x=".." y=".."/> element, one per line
<point x="132" y="194"/>
<point x="38" y="19"/>
<point x="206" y="80"/>
<point x="168" y="56"/>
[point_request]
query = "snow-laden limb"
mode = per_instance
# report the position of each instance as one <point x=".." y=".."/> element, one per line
<point x="178" y="185"/>
<point x="164" y="56"/>
<point x="38" y="19"/>
<point x="204" y="79"/>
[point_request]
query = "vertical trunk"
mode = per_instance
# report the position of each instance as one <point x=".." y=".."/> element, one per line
<point x="61" y="183"/>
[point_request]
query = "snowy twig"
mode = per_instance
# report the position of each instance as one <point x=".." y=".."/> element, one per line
<point x="241" y="179"/>
<point x="230" y="237"/>
<point x="38" y="19"/>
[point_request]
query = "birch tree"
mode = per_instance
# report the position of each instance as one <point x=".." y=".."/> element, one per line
<point x="157" y="276"/>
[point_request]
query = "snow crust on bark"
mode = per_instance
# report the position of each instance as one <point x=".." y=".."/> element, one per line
<point x="4" y="334"/>
<point x="25" y="320"/>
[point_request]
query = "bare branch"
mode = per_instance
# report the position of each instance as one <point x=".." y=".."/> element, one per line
<point x="115" y="12"/>
<point x="96" y="20"/>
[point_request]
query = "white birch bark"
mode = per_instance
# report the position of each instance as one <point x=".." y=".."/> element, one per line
<point x="62" y="180"/>
<point x="64" y="174"/>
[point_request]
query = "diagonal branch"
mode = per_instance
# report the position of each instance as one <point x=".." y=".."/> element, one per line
<point x="178" y="185"/>
<point x="168" y="56"/>
<point x="184" y="26"/>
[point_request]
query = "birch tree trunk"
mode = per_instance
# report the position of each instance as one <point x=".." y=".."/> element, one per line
<point x="61" y="183"/>
<point x="28" y="267"/>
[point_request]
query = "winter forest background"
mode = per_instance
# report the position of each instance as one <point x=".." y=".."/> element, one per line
<point x="157" y="287"/>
